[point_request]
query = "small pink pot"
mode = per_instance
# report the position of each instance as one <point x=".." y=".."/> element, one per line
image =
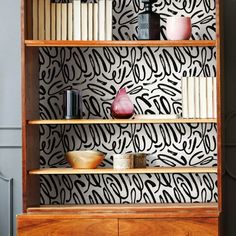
<point x="178" y="28"/>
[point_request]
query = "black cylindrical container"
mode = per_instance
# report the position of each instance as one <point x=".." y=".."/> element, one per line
<point x="148" y="22"/>
<point x="72" y="104"/>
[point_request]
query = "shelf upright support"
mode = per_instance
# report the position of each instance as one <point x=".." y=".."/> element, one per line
<point x="30" y="105"/>
<point x="219" y="78"/>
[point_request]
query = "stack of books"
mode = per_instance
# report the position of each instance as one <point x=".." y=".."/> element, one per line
<point x="199" y="97"/>
<point x="73" y="20"/>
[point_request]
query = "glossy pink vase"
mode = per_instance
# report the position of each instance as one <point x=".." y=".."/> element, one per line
<point x="178" y="28"/>
<point x="122" y="107"/>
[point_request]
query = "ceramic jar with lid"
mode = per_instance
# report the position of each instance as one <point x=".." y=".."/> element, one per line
<point x="122" y="161"/>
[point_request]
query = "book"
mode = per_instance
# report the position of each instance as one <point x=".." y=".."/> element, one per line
<point x="35" y="19"/>
<point x="84" y="21"/>
<point x="58" y="20"/>
<point x="191" y="97"/>
<point x="53" y="21"/>
<point x="64" y="21"/>
<point x="108" y="21"/>
<point x="209" y="97"/>
<point x="77" y="20"/>
<point x="70" y="20"/>
<point x="47" y="19"/>
<point x="95" y="21"/>
<point x="90" y="21"/>
<point x="184" y="89"/>
<point x="101" y="19"/>
<point x="214" y="97"/>
<point x="41" y="19"/>
<point x="203" y="97"/>
<point x="197" y="97"/>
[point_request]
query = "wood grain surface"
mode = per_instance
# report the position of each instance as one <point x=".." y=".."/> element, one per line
<point x="128" y="211"/>
<point x="170" y="227"/>
<point x="120" y="43"/>
<point x="66" y="225"/>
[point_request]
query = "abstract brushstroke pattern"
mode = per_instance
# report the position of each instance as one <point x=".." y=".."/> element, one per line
<point x="152" y="77"/>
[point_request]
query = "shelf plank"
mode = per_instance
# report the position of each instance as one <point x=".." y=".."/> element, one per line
<point x="120" y="43"/>
<point x="136" y="210"/>
<point x="119" y="121"/>
<point x="137" y="207"/>
<point x="150" y="170"/>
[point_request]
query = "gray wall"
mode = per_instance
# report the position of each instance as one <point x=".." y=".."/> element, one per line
<point x="10" y="114"/>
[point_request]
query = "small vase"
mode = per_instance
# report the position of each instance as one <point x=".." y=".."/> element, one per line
<point x="178" y="28"/>
<point x="122" y="107"/>
<point x="148" y="22"/>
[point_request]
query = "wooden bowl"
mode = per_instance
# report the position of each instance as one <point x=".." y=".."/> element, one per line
<point x="84" y="159"/>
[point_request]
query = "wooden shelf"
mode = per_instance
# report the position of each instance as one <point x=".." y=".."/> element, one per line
<point x="150" y="170"/>
<point x="118" y="121"/>
<point x="120" y="43"/>
<point x="136" y="207"/>
<point x="126" y="210"/>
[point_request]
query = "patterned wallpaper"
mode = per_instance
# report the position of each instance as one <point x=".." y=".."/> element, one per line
<point x="152" y="77"/>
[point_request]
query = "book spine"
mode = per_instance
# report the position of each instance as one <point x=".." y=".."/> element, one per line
<point x="209" y="97"/>
<point x="84" y="21"/>
<point x="184" y="88"/>
<point x="101" y="19"/>
<point x="95" y="21"/>
<point x="53" y="21"/>
<point x="77" y="20"/>
<point x="64" y="21"/>
<point x="203" y="97"/>
<point x="108" y="20"/>
<point x="191" y="97"/>
<point x="35" y="19"/>
<point x="47" y="19"/>
<point x="41" y="20"/>
<point x="214" y="97"/>
<point x="90" y="21"/>
<point x="197" y="97"/>
<point x="70" y="21"/>
<point x="58" y="21"/>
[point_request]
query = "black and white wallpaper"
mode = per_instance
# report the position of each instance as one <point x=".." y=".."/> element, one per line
<point x="152" y="78"/>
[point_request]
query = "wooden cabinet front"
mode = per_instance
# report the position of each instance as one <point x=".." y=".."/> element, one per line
<point x="60" y="225"/>
<point x="169" y="227"/>
<point x="45" y="225"/>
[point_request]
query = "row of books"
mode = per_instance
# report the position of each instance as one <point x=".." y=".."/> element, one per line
<point x="199" y="97"/>
<point x="74" y="20"/>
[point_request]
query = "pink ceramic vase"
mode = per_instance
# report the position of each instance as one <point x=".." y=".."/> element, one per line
<point x="122" y="107"/>
<point x="178" y="28"/>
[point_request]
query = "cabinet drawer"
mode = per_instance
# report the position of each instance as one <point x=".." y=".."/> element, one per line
<point x="65" y="225"/>
<point x="169" y="227"/>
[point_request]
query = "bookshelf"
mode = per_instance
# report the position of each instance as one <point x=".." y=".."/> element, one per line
<point x="115" y="219"/>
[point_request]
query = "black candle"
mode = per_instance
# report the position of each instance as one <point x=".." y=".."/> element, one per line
<point x="72" y="103"/>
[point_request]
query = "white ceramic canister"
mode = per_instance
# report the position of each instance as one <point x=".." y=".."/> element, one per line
<point x="178" y="28"/>
<point x="122" y="161"/>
